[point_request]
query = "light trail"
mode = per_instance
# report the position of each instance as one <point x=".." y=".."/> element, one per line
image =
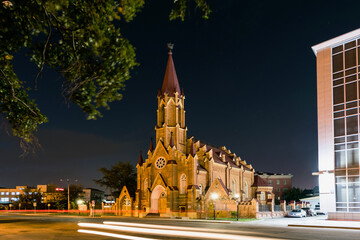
<point x="114" y="235"/>
<point x="190" y="234"/>
<point x="171" y="227"/>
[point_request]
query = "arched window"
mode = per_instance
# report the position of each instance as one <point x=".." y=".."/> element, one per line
<point x="183" y="184"/>
<point x="233" y="187"/>
<point x="200" y="189"/>
<point x="126" y="201"/>
<point x="262" y="196"/>
<point x="246" y="190"/>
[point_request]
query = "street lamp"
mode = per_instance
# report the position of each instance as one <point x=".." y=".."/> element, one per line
<point x="68" y="180"/>
<point x="237" y="199"/>
<point x="214" y="196"/>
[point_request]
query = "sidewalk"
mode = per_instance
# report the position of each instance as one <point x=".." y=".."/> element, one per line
<point x="324" y="223"/>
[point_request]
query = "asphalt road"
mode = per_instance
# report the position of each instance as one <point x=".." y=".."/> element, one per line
<point x="31" y="227"/>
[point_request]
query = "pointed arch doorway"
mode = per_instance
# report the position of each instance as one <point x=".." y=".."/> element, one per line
<point x="158" y="200"/>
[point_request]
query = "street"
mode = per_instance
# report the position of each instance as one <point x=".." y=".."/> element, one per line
<point x="60" y="227"/>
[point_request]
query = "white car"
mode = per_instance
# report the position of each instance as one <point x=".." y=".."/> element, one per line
<point x="297" y="213"/>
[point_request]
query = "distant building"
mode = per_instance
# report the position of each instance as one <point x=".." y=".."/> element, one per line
<point x="311" y="192"/>
<point x="8" y="195"/>
<point x="338" y="65"/>
<point x="90" y="194"/>
<point x="279" y="182"/>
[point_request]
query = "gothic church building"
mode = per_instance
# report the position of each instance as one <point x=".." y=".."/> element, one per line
<point x="179" y="174"/>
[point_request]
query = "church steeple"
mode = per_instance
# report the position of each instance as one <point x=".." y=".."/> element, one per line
<point x="170" y="84"/>
<point x="170" y="125"/>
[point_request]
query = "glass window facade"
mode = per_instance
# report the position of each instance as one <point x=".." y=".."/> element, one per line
<point x="345" y="79"/>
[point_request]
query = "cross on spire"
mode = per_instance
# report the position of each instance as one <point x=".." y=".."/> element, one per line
<point x="170" y="47"/>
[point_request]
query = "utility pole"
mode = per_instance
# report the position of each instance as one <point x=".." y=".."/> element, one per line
<point x="68" y="187"/>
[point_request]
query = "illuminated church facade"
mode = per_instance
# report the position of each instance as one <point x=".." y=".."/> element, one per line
<point x="179" y="173"/>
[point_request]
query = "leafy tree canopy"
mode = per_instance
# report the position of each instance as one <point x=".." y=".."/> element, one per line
<point x="29" y="197"/>
<point x="119" y="175"/>
<point x="293" y="194"/>
<point x="79" y="38"/>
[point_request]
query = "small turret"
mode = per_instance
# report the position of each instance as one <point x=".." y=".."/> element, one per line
<point x="140" y="162"/>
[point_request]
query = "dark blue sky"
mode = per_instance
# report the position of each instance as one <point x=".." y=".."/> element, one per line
<point x="249" y="77"/>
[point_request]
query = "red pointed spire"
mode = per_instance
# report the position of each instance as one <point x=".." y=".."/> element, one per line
<point x="140" y="162"/>
<point x="170" y="84"/>
<point x="151" y="148"/>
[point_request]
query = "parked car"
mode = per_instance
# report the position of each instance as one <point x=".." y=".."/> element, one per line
<point x="297" y="213"/>
<point x="309" y="211"/>
<point x="318" y="211"/>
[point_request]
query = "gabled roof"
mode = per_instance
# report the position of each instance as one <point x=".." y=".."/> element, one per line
<point x="219" y="187"/>
<point x="170" y="84"/>
<point x="217" y="152"/>
<point x="124" y="192"/>
<point x="159" y="180"/>
<point x="223" y="185"/>
<point x="260" y="182"/>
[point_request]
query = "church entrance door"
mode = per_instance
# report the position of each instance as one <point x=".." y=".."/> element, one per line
<point x="158" y="199"/>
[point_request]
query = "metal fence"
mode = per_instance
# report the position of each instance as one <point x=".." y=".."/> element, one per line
<point x="288" y="208"/>
<point x="264" y="208"/>
<point x="278" y="208"/>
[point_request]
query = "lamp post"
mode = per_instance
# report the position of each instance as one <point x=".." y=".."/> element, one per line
<point x="68" y="180"/>
<point x="237" y="199"/>
<point x="214" y="196"/>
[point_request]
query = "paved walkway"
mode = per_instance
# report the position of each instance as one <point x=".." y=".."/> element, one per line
<point x="309" y="222"/>
<point x="324" y="223"/>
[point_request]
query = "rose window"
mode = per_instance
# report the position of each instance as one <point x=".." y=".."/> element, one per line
<point x="160" y="163"/>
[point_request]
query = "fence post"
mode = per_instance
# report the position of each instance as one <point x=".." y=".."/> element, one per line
<point x="292" y="204"/>
<point x="283" y="205"/>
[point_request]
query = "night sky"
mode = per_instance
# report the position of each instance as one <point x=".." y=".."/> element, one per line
<point x="248" y="74"/>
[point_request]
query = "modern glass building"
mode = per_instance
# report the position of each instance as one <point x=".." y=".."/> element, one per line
<point x="338" y="88"/>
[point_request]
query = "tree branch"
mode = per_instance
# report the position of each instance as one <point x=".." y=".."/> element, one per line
<point x="13" y="93"/>
<point x="44" y="50"/>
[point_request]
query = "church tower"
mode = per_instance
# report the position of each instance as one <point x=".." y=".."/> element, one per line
<point x="170" y="127"/>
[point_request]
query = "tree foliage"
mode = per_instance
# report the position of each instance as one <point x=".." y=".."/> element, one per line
<point x="293" y="194"/>
<point x="29" y="197"/>
<point x="79" y="38"/>
<point x="119" y="175"/>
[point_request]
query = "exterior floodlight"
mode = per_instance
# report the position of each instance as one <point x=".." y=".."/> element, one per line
<point x="237" y="197"/>
<point x="79" y="202"/>
<point x="214" y="196"/>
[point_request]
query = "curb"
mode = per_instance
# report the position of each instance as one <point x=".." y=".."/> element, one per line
<point x="319" y="226"/>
